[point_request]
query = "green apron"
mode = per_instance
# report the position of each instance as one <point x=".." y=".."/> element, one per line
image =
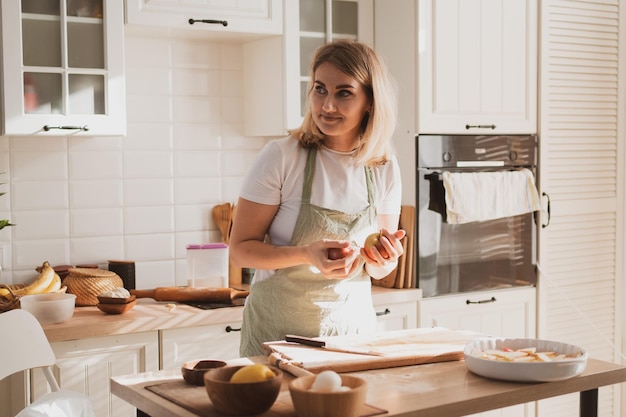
<point x="299" y="299"/>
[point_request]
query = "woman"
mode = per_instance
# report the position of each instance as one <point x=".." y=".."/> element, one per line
<point x="329" y="184"/>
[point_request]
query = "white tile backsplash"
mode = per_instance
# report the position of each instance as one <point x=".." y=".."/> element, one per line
<point x="143" y="197"/>
<point x="196" y="109"/>
<point x="39" y="195"/>
<point x="96" y="222"/>
<point x="35" y="165"/>
<point x="150" y="247"/>
<point x="141" y="220"/>
<point x="148" y="164"/>
<point x="148" y="192"/>
<point x="95" y="165"/>
<point x="96" y="193"/>
<point x="39" y="224"/>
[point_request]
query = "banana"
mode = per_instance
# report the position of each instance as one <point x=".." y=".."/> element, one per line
<point x="43" y="281"/>
<point x="55" y="284"/>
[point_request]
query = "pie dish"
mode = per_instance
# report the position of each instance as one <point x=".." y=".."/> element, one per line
<point x="557" y="370"/>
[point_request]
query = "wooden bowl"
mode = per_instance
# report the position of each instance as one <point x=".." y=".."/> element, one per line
<point x="241" y="399"/>
<point x="116" y="300"/>
<point x="116" y="308"/>
<point x="193" y="371"/>
<point x="309" y="403"/>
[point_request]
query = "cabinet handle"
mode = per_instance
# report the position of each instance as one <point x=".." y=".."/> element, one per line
<point x="547" y="210"/>
<point x="221" y="22"/>
<point x="83" y="128"/>
<point x="383" y="313"/>
<point x="467" y="127"/>
<point x="491" y="300"/>
<point x="230" y="328"/>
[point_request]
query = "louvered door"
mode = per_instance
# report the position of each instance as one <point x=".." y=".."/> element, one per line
<point x="581" y="170"/>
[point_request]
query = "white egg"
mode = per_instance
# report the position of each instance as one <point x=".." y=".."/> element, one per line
<point x="326" y="381"/>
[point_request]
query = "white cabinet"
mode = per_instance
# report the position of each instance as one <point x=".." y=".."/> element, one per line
<point x="505" y="312"/>
<point x="276" y="70"/>
<point x="477" y="66"/>
<point x="87" y="365"/>
<point x="395" y="309"/>
<point x="397" y="316"/>
<point x="243" y="16"/>
<point x="216" y="341"/>
<point x="63" y="68"/>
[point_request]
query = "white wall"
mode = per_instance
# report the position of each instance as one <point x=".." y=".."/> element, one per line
<point x="143" y="197"/>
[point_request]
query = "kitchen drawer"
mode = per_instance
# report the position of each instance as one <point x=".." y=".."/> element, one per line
<point x="216" y="341"/>
<point x="505" y="312"/>
<point x="396" y="309"/>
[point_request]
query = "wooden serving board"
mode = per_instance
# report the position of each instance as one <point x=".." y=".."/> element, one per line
<point x="196" y="400"/>
<point x="398" y="348"/>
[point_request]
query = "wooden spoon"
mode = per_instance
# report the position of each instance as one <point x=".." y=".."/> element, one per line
<point x="221" y="217"/>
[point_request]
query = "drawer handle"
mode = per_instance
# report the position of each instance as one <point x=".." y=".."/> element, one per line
<point x="212" y="21"/>
<point x="491" y="300"/>
<point x="49" y="128"/>
<point x="468" y="127"/>
<point x="383" y="313"/>
<point x="230" y="328"/>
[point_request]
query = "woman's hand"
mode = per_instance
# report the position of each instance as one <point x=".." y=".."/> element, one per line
<point x="392" y="244"/>
<point x="334" y="268"/>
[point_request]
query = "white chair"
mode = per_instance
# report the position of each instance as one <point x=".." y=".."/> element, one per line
<point x="25" y="347"/>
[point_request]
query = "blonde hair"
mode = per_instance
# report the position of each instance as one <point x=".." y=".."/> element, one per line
<point x="362" y="63"/>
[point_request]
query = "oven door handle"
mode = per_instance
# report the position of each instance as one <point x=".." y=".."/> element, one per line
<point x="547" y="196"/>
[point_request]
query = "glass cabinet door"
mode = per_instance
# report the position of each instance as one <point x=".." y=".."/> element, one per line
<point x="323" y="21"/>
<point x="62" y="60"/>
<point x="59" y="45"/>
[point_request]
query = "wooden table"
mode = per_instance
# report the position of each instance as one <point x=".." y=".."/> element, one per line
<point x="445" y="389"/>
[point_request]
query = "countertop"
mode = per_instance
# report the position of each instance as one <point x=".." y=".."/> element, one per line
<point x="149" y="315"/>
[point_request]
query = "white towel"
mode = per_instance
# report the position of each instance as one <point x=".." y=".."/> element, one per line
<point x="481" y="196"/>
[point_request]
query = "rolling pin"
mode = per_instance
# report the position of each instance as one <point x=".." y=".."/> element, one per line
<point x="198" y="294"/>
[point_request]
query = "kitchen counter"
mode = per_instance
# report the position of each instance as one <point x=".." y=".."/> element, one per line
<point x="150" y="315"/>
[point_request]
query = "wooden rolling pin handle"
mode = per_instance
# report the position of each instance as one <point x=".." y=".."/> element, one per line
<point x="143" y="293"/>
<point x="287" y="365"/>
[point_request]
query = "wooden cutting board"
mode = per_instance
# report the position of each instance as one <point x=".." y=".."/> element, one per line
<point x="196" y="400"/>
<point x="401" y="276"/>
<point x="398" y="348"/>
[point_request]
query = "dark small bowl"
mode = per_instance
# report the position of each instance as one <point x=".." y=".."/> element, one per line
<point x="241" y="399"/>
<point x="193" y="371"/>
<point x="115" y="308"/>
<point x="116" y="300"/>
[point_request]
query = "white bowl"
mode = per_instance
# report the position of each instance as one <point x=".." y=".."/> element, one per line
<point x="524" y="371"/>
<point x="49" y="308"/>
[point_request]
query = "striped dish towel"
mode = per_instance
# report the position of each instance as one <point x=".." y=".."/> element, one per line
<point x="482" y="196"/>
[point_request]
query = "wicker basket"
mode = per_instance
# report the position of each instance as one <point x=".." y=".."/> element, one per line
<point x="88" y="283"/>
<point x="12" y="301"/>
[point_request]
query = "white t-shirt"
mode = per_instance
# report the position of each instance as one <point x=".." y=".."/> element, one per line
<point x="277" y="175"/>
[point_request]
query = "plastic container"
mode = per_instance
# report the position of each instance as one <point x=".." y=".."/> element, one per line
<point x="49" y="308"/>
<point x="207" y="265"/>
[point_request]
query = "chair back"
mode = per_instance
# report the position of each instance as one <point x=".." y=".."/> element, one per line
<point x="24" y="346"/>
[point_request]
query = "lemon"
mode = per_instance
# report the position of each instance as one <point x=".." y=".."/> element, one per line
<point x="252" y="373"/>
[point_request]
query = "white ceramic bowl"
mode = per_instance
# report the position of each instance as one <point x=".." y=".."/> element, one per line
<point x="49" y="308"/>
<point x="524" y="371"/>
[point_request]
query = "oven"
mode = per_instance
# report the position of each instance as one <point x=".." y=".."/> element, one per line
<point x="476" y="255"/>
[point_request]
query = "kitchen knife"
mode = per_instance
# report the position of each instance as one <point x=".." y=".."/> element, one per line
<point x="308" y="341"/>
